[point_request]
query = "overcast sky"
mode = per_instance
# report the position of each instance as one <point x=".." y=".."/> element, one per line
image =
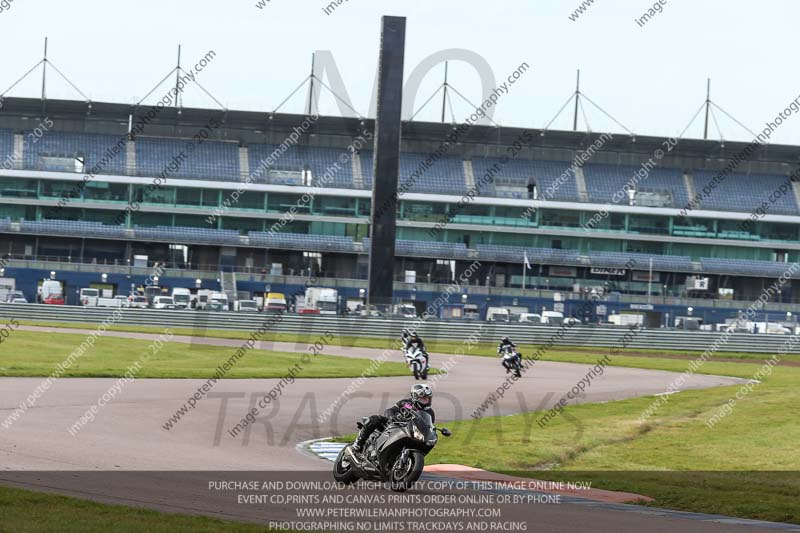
<point x="651" y="78"/>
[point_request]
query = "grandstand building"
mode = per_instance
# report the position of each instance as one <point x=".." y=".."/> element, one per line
<point x="247" y="201"/>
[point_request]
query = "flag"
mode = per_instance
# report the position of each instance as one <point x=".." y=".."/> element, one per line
<point x="527" y="263"/>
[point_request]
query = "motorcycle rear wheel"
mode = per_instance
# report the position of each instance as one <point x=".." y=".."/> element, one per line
<point x="403" y="476"/>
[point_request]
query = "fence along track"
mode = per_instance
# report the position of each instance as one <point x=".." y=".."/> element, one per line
<point x="300" y="325"/>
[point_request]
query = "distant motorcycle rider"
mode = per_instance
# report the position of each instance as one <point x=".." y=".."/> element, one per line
<point x="415" y="341"/>
<point x="505" y="342"/>
<point x="421" y="399"/>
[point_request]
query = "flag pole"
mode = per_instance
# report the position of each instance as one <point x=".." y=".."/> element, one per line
<point x="524" y="269"/>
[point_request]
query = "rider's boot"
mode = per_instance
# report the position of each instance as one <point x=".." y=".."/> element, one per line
<point x="361" y="440"/>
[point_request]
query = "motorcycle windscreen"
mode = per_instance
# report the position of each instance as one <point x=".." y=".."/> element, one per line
<point x="425" y="424"/>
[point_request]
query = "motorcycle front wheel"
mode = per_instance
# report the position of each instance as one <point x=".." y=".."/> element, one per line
<point x="343" y="471"/>
<point x="404" y="474"/>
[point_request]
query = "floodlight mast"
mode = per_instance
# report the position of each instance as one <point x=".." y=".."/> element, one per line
<point x="708" y="107"/>
<point x="386" y="161"/>
<point x="44" y="71"/>
<point x="577" y="101"/>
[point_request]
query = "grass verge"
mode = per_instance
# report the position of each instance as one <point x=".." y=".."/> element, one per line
<point x="28" y="353"/>
<point x="747" y="465"/>
<point x="485" y="349"/>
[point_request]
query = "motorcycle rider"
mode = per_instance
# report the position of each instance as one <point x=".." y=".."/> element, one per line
<point x="505" y="342"/>
<point x="416" y="341"/>
<point x="420" y="399"/>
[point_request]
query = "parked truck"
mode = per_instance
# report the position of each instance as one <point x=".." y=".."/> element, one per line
<point x="275" y="303"/>
<point x="405" y="310"/>
<point x="208" y="296"/>
<point x="626" y="319"/>
<point x="322" y="300"/>
<point x="89" y="297"/>
<point x="182" y="297"/>
<point x="222" y="299"/>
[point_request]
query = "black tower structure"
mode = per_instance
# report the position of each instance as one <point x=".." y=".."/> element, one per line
<point x="386" y="163"/>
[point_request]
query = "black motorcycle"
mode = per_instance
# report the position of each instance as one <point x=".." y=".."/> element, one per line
<point x="395" y="455"/>
<point x="512" y="360"/>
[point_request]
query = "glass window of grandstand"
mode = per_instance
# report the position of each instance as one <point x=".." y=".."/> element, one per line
<point x="105" y="216"/>
<point x="356" y="231"/>
<point x="148" y="194"/>
<point x="295" y="226"/>
<point x="423" y="211"/>
<point x="242" y="225"/>
<point x="282" y="203"/>
<point x="247" y="200"/>
<point x="472" y="214"/>
<point x="693" y="227"/>
<point x="560" y="219"/>
<point x="100" y="191"/>
<point x="61" y="189"/>
<point x="210" y="198"/>
<point x="58" y="213"/>
<point x="18" y="212"/>
<point x="189" y="197"/>
<point x="17" y="187"/>
<point x="515" y="216"/>
<point x="776" y="231"/>
<point x="648" y="224"/>
<point x="364" y="207"/>
<point x="605" y="221"/>
<point x="335" y="205"/>
<point x="734" y="229"/>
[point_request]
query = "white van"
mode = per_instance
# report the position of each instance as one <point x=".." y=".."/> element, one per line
<point x="245" y="306"/>
<point x="163" y="302"/>
<point x="530" y="318"/>
<point x="497" y="314"/>
<point x="552" y="317"/>
<point x="51" y="292"/>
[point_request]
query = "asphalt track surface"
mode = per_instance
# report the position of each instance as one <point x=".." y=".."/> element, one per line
<point x="165" y="469"/>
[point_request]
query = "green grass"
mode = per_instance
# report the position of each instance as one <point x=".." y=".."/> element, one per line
<point x="23" y="511"/>
<point x="485" y="349"/>
<point x="28" y="353"/>
<point x="748" y="465"/>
